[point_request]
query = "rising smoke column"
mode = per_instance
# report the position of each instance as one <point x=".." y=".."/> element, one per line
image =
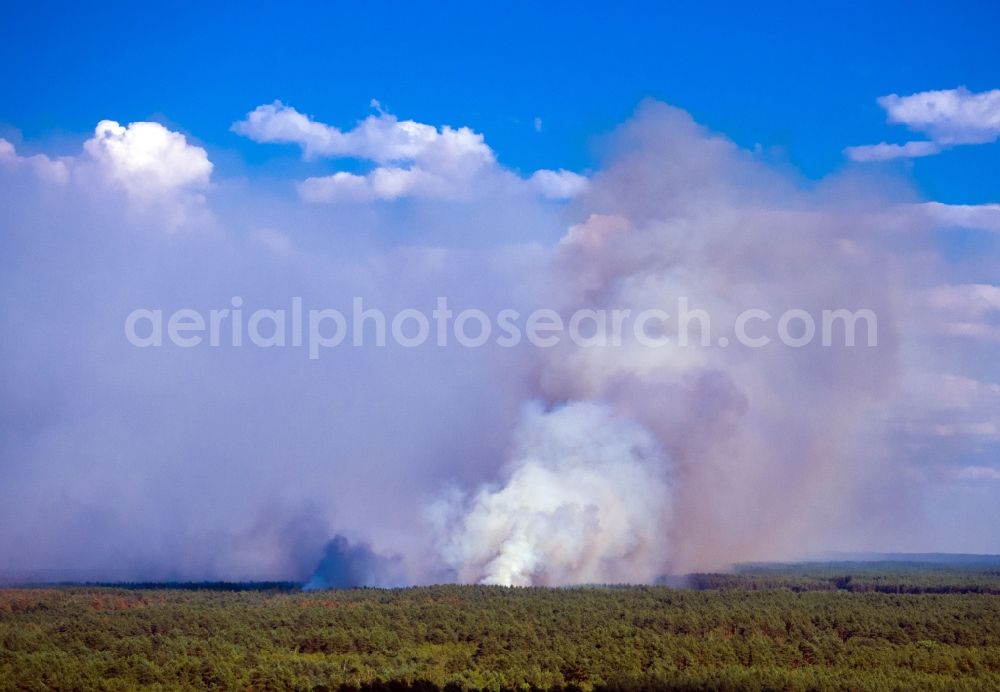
<point x="586" y="499"/>
<point x="774" y="450"/>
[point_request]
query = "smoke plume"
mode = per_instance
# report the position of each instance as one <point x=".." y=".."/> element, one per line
<point x="609" y="462"/>
<point x="586" y="499"/>
<point x="345" y="566"/>
<point x="771" y="449"/>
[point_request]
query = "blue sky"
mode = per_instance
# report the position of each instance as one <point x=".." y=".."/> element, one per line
<point x="801" y="82"/>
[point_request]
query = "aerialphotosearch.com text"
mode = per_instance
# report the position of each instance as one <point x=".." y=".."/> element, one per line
<point x="320" y="329"/>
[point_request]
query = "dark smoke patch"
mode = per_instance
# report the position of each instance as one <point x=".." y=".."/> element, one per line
<point x="346" y="566"/>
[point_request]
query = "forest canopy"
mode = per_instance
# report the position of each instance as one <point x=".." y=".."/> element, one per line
<point x="823" y="626"/>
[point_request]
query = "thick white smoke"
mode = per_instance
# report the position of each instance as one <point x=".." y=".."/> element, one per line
<point x="587" y="499"/>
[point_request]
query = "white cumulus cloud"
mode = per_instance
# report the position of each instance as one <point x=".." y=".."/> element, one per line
<point x="561" y="184"/>
<point x="984" y="217"/>
<point x="412" y="159"/>
<point x="52" y="170"/>
<point x="947" y="116"/>
<point x="147" y="158"/>
<point x="382" y="138"/>
<point x="885" y="152"/>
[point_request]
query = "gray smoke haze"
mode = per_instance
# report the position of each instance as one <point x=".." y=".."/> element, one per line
<point x="347" y="566"/>
<point x="516" y="466"/>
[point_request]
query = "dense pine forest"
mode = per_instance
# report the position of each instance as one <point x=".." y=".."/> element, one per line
<point x="807" y="627"/>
